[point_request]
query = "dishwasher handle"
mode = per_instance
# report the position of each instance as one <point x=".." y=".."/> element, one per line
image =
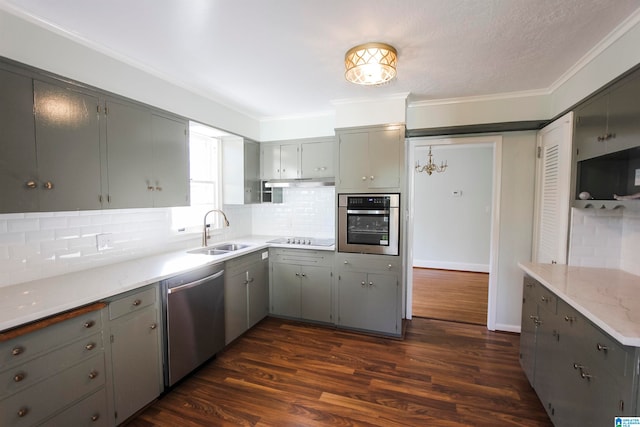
<point x="194" y="284"/>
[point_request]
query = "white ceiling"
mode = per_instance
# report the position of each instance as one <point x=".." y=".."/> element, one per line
<point x="279" y="58"/>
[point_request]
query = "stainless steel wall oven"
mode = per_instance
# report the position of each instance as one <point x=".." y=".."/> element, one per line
<point x="369" y="223"/>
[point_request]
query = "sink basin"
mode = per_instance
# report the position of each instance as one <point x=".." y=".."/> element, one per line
<point x="221" y="249"/>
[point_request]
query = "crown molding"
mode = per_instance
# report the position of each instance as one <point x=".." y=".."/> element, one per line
<point x="369" y="100"/>
<point x="480" y="98"/>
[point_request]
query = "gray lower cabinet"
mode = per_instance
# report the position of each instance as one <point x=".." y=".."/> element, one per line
<point x="581" y="375"/>
<point x="301" y="284"/>
<point x="54" y="371"/>
<point x="369" y="293"/>
<point x="246" y="293"/>
<point x="135" y="336"/>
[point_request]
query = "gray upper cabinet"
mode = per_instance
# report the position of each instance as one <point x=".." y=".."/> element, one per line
<point x="130" y="173"/>
<point x="18" y="167"/>
<point x="170" y="161"/>
<point x="608" y="122"/>
<point x="280" y="161"/>
<point x="370" y="159"/>
<point x="240" y="171"/>
<point x="316" y="159"/>
<point x="68" y="148"/>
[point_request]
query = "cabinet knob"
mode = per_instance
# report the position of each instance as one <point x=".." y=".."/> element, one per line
<point x="90" y="346"/>
<point x="577" y="366"/>
<point x="346" y="262"/>
<point x="17" y="351"/>
<point x="569" y="319"/>
<point x="150" y="188"/>
<point x="153" y="326"/>
<point x="544" y="299"/>
<point x="31" y="184"/>
<point x="137" y="303"/>
<point x="363" y="284"/>
<point x="389" y="267"/>
<point x="93" y="375"/>
<point x="95" y="417"/>
<point x="585" y="375"/>
<point x="158" y="188"/>
<point x="303" y="275"/>
<point x="371" y="177"/>
<point x="364" y="178"/>
<point x="297" y="274"/>
<point x="601" y="347"/>
<point x="89" y="324"/>
<point x="23" y="411"/>
<point x="48" y="185"/>
<point x="370" y="283"/>
<point x="19" y="377"/>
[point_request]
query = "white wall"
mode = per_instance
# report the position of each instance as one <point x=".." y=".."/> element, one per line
<point x="516" y="224"/>
<point x="30" y="44"/>
<point x="454" y="232"/>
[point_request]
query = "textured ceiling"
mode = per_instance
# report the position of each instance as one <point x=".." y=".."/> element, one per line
<point x="280" y="58"/>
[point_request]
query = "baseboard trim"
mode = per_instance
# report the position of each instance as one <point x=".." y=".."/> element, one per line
<point x="447" y="265"/>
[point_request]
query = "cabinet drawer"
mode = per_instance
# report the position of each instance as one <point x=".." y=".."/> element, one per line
<point x="23" y="348"/>
<point x="301" y="256"/>
<point x="91" y="411"/>
<point x="606" y="352"/>
<point x="133" y="302"/>
<point x="546" y="299"/>
<point x="36" y="403"/>
<point x="243" y="263"/>
<point x="377" y="263"/>
<point x="24" y="375"/>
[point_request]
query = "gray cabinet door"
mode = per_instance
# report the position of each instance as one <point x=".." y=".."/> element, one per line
<point x="591" y="126"/>
<point x="316" y="159"/>
<point x="352" y="290"/>
<point x="285" y="298"/>
<point x="170" y="180"/>
<point x="271" y="162"/>
<point x="624" y="110"/>
<point x="528" y="330"/>
<point x="546" y="358"/>
<point x="251" y="172"/>
<point x="385" y="158"/>
<point x="68" y="148"/>
<point x="129" y="156"/>
<point x="235" y="305"/>
<point x="354" y="161"/>
<point x="289" y="167"/>
<point x="258" y="292"/>
<point x="382" y="307"/>
<point x="17" y="145"/>
<point x="315" y="293"/>
<point x="137" y="371"/>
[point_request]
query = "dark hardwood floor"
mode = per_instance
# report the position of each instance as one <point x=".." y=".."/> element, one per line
<point x="284" y="373"/>
<point x="459" y="296"/>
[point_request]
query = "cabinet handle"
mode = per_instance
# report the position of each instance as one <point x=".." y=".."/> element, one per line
<point x="601" y="347"/>
<point x="158" y="188"/>
<point x="304" y="275"/>
<point x="529" y="285"/>
<point x="48" y="185"/>
<point x="137" y="303"/>
<point x="19" y="377"/>
<point x="577" y="366"/>
<point x="150" y="188"/>
<point x="17" y="351"/>
<point x="569" y="319"/>
<point x="544" y="299"/>
<point x="297" y="274"/>
<point x="585" y="375"/>
<point x="346" y="262"/>
<point x="363" y="284"/>
<point x="89" y="323"/>
<point x="370" y="283"/>
<point x="31" y="184"/>
<point x="153" y="326"/>
<point x="23" y="411"/>
<point x="371" y="177"/>
<point x="93" y="375"/>
<point x="90" y="346"/>
<point x="95" y="417"/>
<point x="389" y="267"/>
<point x="364" y="178"/>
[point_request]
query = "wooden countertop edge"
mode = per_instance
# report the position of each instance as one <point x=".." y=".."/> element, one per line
<point x="48" y="321"/>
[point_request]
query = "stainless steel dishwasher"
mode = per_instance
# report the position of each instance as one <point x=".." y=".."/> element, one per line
<point x="194" y="320"/>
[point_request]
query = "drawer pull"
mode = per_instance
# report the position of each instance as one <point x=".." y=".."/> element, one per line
<point x="17" y="351"/>
<point x="569" y="319"/>
<point x="95" y="417"/>
<point x="89" y="323"/>
<point x="22" y="412"/>
<point x="93" y="375"/>
<point x="19" y="377"/>
<point x="137" y="303"/>
<point x="577" y="366"/>
<point x="389" y="267"/>
<point x="601" y="347"/>
<point x="585" y="375"/>
<point x="153" y="326"/>
<point x="90" y="346"/>
<point x="544" y="299"/>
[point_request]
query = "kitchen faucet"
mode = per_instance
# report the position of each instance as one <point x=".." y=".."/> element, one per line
<point x="205" y="231"/>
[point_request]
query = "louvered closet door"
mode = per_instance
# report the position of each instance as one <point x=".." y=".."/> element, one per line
<point x="553" y="180"/>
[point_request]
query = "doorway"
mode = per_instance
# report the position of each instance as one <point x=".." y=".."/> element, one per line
<point x="457" y="271"/>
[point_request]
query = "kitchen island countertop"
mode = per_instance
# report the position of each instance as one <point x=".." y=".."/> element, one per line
<point x="609" y="298"/>
<point x="29" y="301"/>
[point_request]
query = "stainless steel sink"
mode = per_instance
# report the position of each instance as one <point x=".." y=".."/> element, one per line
<point x="221" y="249"/>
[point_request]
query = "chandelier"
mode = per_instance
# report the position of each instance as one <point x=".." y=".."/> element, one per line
<point x="431" y="167"/>
<point x="370" y="64"/>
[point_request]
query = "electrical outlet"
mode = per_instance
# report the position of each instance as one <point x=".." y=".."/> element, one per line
<point x="104" y="241"/>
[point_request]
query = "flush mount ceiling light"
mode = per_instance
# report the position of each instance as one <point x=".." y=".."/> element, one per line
<point x="370" y="63"/>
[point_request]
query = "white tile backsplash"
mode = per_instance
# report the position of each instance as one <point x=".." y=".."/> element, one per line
<point x="38" y="245"/>
<point x="605" y="238"/>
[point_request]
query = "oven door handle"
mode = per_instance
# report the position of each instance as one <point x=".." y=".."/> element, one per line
<point x="368" y="212"/>
<point x="194" y="284"/>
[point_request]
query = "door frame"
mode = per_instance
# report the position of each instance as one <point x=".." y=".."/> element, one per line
<point x="496" y="142"/>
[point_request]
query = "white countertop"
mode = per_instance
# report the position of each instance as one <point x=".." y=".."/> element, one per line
<point x="609" y="298"/>
<point x="29" y="301"/>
